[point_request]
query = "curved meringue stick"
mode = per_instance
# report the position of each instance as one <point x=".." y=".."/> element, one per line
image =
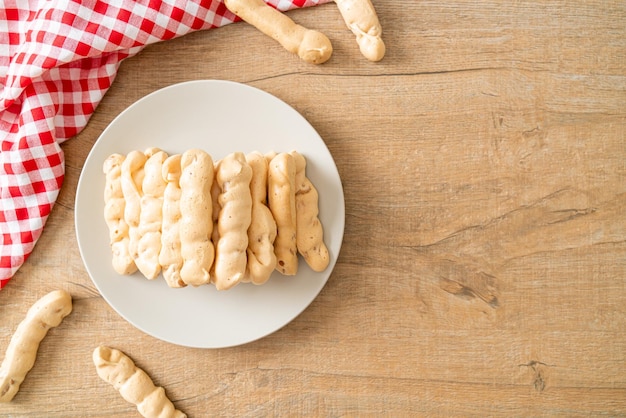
<point x="46" y="313"/>
<point x="136" y="387"/>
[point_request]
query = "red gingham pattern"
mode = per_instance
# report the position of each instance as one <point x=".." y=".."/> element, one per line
<point x="57" y="60"/>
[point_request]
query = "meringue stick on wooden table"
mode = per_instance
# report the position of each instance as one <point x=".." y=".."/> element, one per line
<point x="361" y="18"/>
<point x="133" y="383"/>
<point x="310" y="45"/>
<point x="19" y="359"/>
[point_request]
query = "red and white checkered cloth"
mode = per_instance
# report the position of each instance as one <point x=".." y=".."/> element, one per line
<point x="57" y="60"/>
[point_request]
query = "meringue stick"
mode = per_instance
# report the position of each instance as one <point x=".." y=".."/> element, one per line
<point x="132" y="179"/>
<point x="282" y="202"/>
<point x="233" y="177"/>
<point x="19" y="359"/>
<point x="170" y="258"/>
<point x="134" y="384"/>
<point x="262" y="230"/>
<point x="310" y="45"/>
<point x="361" y="18"/>
<point x="151" y="217"/>
<point x="196" y="225"/>
<point x="309" y="230"/>
<point x="114" y="204"/>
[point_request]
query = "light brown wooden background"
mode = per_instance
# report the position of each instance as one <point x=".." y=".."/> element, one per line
<point x="483" y="271"/>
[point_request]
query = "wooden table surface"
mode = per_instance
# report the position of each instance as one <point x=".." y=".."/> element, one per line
<point x="483" y="268"/>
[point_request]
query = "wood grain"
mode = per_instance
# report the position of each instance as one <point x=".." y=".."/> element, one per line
<point x="483" y="269"/>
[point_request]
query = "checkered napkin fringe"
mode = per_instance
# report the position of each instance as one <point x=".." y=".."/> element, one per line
<point x="57" y="60"/>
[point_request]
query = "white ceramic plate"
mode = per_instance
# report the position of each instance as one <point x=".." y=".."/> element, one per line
<point x="220" y="117"/>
